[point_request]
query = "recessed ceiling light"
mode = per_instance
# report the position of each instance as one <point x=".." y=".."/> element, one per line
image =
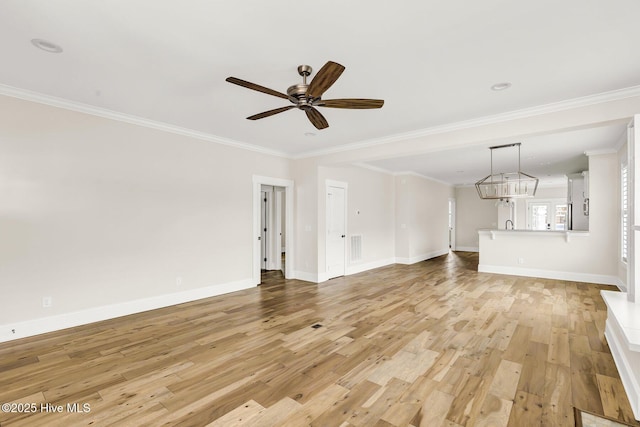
<point x="501" y="86"/>
<point x="46" y="46"/>
<point x="309" y="134"/>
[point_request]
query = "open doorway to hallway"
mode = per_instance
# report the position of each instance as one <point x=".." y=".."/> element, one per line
<point x="452" y="224"/>
<point x="272" y="227"/>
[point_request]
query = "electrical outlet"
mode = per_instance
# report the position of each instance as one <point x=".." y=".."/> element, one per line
<point x="178" y="282"/>
<point x="47" y="302"/>
<point x="520" y="260"/>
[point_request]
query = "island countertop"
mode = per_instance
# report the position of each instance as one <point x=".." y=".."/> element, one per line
<point x="566" y="234"/>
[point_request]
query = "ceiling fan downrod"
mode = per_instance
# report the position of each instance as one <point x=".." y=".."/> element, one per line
<point x="298" y="93"/>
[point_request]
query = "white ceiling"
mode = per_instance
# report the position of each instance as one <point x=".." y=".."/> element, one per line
<point x="433" y="62"/>
<point x="547" y="157"/>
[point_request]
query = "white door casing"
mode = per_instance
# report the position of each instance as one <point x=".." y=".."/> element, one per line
<point x="336" y="229"/>
<point x="256" y="239"/>
<point x="264" y="238"/>
<point x="452" y="224"/>
<point x="270" y="227"/>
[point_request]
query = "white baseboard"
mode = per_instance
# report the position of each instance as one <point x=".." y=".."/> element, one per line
<point x="322" y="277"/>
<point x="27" y="328"/>
<point x="352" y="269"/>
<point x="420" y="258"/>
<point x="621" y="355"/>
<point x="359" y="268"/>
<point x="305" y="276"/>
<point x="467" y="249"/>
<point x="573" y="276"/>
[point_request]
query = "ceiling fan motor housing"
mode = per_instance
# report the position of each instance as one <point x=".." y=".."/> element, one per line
<point x="298" y="95"/>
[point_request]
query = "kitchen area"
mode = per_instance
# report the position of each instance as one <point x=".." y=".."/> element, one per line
<point x="564" y="233"/>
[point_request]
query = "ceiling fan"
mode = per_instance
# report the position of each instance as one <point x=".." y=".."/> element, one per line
<point x="308" y="96"/>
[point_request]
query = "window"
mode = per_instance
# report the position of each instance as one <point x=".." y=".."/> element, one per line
<point x="560" y="217"/>
<point x="547" y="215"/>
<point x="624" y="211"/>
<point x="539" y="216"/>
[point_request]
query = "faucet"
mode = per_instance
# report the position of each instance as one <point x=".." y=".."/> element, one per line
<point x="506" y="223"/>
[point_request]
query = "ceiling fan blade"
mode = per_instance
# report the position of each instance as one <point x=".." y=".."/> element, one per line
<point x="356" y="103"/>
<point x="270" y="112"/>
<point x="254" y="86"/>
<point x="325" y="77"/>
<point x="316" y="118"/>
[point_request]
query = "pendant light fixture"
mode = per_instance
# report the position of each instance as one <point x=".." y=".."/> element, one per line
<point x="507" y="185"/>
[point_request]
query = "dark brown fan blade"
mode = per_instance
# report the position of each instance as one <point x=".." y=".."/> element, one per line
<point x="270" y="112"/>
<point x="356" y="103"/>
<point x="254" y="86"/>
<point x="316" y="118"/>
<point x="323" y="80"/>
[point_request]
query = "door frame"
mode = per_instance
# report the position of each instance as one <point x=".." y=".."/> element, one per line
<point x="452" y="229"/>
<point x="258" y="181"/>
<point x="552" y="203"/>
<point x="271" y="228"/>
<point x="344" y="186"/>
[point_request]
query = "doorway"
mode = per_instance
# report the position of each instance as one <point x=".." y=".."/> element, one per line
<point x="550" y="214"/>
<point x="276" y="215"/>
<point x="452" y="224"/>
<point x="336" y="229"/>
<point x="272" y="228"/>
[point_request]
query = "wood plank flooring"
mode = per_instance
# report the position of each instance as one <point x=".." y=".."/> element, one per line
<point x="431" y="344"/>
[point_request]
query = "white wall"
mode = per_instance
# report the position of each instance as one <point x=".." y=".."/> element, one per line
<point x="590" y="258"/>
<point x="305" y="175"/>
<point x="96" y="212"/>
<point x="422" y="229"/>
<point x="472" y="214"/>
<point x="370" y="213"/>
<point x="403" y="217"/>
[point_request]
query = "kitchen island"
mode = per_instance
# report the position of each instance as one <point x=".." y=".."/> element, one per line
<point x="581" y="256"/>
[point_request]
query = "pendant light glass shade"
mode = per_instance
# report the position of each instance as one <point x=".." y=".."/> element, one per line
<point x="507" y="185"/>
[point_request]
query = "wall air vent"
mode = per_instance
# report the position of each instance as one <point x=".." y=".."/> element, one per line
<point x="356" y="247"/>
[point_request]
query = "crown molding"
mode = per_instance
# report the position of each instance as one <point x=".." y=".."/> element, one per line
<point x="373" y="168"/>
<point x="131" y="119"/>
<point x="554" y="107"/>
<point x="601" y="151"/>
<point x="166" y="127"/>
<point x="419" y="175"/>
<point x="402" y="173"/>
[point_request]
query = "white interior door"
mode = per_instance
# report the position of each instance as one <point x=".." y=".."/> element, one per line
<point x="336" y="231"/>
<point x="538" y="216"/>
<point x="276" y="241"/>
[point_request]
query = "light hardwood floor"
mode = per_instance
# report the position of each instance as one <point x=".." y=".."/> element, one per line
<point x="431" y="344"/>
